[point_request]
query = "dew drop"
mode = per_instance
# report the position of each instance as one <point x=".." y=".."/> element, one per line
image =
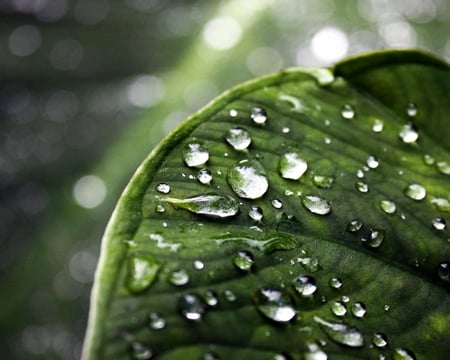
<point x="372" y="162"/>
<point x="411" y="109"/>
<point x="210" y="297"/>
<point x="323" y="182"/>
<point x="292" y="166"/>
<point x="233" y="113"/>
<point x="347" y="112"/>
<point x="244" y="260"/>
<point x="210" y="356"/>
<point x="204" y="176"/>
<point x="354" y="226"/>
<point x="408" y="133"/>
<point x="179" y="277"/>
<point x="362" y="187"/>
<point x="160" y="208"/>
<point x="345" y="298"/>
<point x="238" y="138"/>
<point x="335" y="283"/>
<point x="305" y="285"/>
<point x="248" y="179"/>
<point x="195" y="154"/>
<point x="338" y="308"/>
<point x="403" y="354"/>
<point x="156" y="321"/>
<point x="277" y="203"/>
<point x="438" y="223"/>
<point x="285" y="130"/>
<point x="360" y="173"/>
<point x="256" y="213"/>
<point x="415" y="192"/>
<point x="229" y="295"/>
<point x="258" y="116"/>
<point x="443" y="167"/>
<point x="314" y="352"/>
<point x="358" y="309"/>
<point x="191" y="306"/>
<point x="163" y="188"/>
<point x="374" y="239"/>
<point x="209" y="205"/>
<point x="428" y="159"/>
<point x="377" y="126"/>
<point x="274" y="304"/>
<point x="387" y="206"/>
<point x="441" y="204"/>
<point x="140" y="351"/>
<point x="316" y="204"/>
<point x="444" y="271"/>
<point x="341" y="332"/>
<point x="142" y="271"/>
<point x="379" y="340"/>
<point x="199" y="265"/>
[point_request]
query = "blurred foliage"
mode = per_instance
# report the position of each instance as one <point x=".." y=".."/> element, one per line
<point x="91" y="86"/>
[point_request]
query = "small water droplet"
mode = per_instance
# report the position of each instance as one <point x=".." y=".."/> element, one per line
<point x="444" y="271"/>
<point x="274" y="304"/>
<point x="323" y="182"/>
<point x="316" y="204"/>
<point x="195" y="154"/>
<point x="338" y="308"/>
<point x="210" y="297"/>
<point x="408" y="133"/>
<point x="362" y="186"/>
<point x="374" y="239"/>
<point x="244" y="260"/>
<point x="305" y="285"/>
<point x="411" y="109"/>
<point x="379" y="340"/>
<point x="238" y="138"/>
<point x="233" y="113"/>
<point x="387" y="206"/>
<point x="199" y="265"/>
<point x="156" y="321"/>
<point x="292" y="166"/>
<point x="386" y="307"/>
<point x="341" y="333"/>
<point x="208" y="205"/>
<point x="163" y="188"/>
<point x="288" y="192"/>
<point x="345" y="298"/>
<point x="256" y="213"/>
<point x="360" y="173"/>
<point x="347" y="112"/>
<point x="372" y="162"/>
<point x="210" y="356"/>
<point x="354" y="226"/>
<point x="358" y="309"/>
<point x="403" y="354"/>
<point x="159" y="208"/>
<point x="439" y="223"/>
<point x="443" y="167"/>
<point x="140" y="351"/>
<point x="277" y="203"/>
<point x="428" y="159"/>
<point x="179" y="277"/>
<point x="248" y="179"/>
<point x="377" y="126"/>
<point x="415" y="192"/>
<point x="258" y="115"/>
<point x="191" y="306"/>
<point x="142" y="271"/>
<point x="441" y="204"/>
<point x="285" y="130"/>
<point x="229" y="295"/>
<point x="204" y="176"/>
<point x="314" y="352"/>
<point x="335" y="283"/>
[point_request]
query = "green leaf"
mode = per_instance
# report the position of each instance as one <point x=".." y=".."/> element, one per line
<point x="299" y="215"/>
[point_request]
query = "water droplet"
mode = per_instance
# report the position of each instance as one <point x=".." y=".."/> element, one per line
<point x="238" y="138"/>
<point x="140" y="351"/>
<point x="210" y="356"/>
<point x="277" y="203"/>
<point x="347" y="112"/>
<point x="179" y="277"/>
<point x="210" y="297"/>
<point x="379" y="340"/>
<point x="360" y="173"/>
<point x="374" y="239"/>
<point x="338" y="308"/>
<point x="354" y="226"/>
<point x="377" y="126"/>
<point x="256" y="213"/>
<point x="292" y="166"/>
<point x="316" y="204"/>
<point x="411" y="109"/>
<point x="314" y="352"/>
<point x="387" y="206"/>
<point x="274" y="304"/>
<point x="305" y="285"/>
<point x="163" y="188"/>
<point x="195" y="154"/>
<point x="258" y="115"/>
<point x="408" y="133"/>
<point x="345" y="298"/>
<point x="244" y="260"/>
<point x="358" y="309"/>
<point x="142" y="271"/>
<point x="403" y="354"/>
<point x="229" y="295"/>
<point x="208" y="205"/>
<point x="439" y="223"/>
<point x="443" y="167"/>
<point x="248" y="179"/>
<point x="160" y="208"/>
<point x="233" y="113"/>
<point x="191" y="306"/>
<point x="362" y="186"/>
<point x="204" y="176"/>
<point x="288" y="192"/>
<point x="415" y="192"/>
<point x="444" y="271"/>
<point x="335" y="283"/>
<point x="441" y="204"/>
<point x="428" y="159"/>
<point x="285" y="130"/>
<point x="341" y="333"/>
<point x="199" y="265"/>
<point x="156" y="321"/>
<point x="323" y="182"/>
<point x="386" y="307"/>
<point x="372" y="162"/>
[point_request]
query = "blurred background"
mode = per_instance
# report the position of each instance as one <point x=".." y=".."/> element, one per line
<point x="89" y="87"/>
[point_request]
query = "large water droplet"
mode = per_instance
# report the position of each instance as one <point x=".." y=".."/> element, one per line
<point x="438" y="223"/>
<point x="140" y="351"/>
<point x="156" y="321"/>
<point x="411" y="109"/>
<point x="338" y="308"/>
<point x="415" y="192"/>
<point x="238" y="138"/>
<point x="377" y="126"/>
<point x="441" y="204"/>
<point x="142" y="271"/>
<point x="403" y="354"/>
<point x="191" y="306"/>
<point x="244" y="260"/>
<point x="323" y="182"/>
<point x="361" y="186"/>
<point x="347" y="112"/>
<point x="387" y="206"/>
<point x="443" y="167"/>
<point x="358" y="309"/>
<point x="354" y="226"/>
<point x="258" y="115"/>
<point x="163" y="188"/>
<point x="379" y="340"/>
<point x="292" y="166"/>
<point x="335" y="283"/>
<point x="274" y="304"/>
<point x="179" y="277"/>
<point x="204" y="176"/>
<point x="209" y="205"/>
<point x="374" y="239"/>
<point x="372" y="162"/>
<point x="305" y="285"/>
<point x="195" y="154"/>
<point x="256" y="213"/>
<point x="248" y="179"/>
<point x="316" y="204"/>
<point x="408" y="133"/>
<point x="341" y="333"/>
